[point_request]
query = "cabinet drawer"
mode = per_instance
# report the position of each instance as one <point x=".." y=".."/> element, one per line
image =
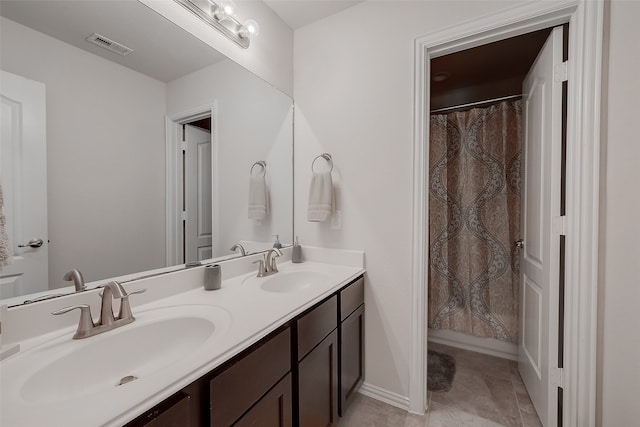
<point x="351" y="298"/>
<point x="317" y="324"/>
<point x="175" y="411"/>
<point x="241" y="385"/>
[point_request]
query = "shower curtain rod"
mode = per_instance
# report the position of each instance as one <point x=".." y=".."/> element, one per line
<point x="471" y="104"/>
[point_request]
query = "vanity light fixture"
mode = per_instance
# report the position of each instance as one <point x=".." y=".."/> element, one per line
<point x="221" y="15"/>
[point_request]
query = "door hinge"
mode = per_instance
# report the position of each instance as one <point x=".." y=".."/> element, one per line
<point x="183" y="146"/>
<point x="557" y="377"/>
<point x="561" y="72"/>
<point x="183" y="215"/>
<point x="559" y="225"/>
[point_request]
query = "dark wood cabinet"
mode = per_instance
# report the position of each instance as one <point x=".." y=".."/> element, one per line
<point x="303" y="375"/>
<point x="318" y="384"/>
<point x="241" y="385"/>
<point x="273" y="410"/>
<point x="176" y="411"/>
<point x="351" y="338"/>
<point x="351" y="357"/>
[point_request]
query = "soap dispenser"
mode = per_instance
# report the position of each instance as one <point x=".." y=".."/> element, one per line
<point x="277" y="243"/>
<point x="296" y="252"/>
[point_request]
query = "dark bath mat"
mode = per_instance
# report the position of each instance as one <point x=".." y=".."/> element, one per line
<point x="441" y="368"/>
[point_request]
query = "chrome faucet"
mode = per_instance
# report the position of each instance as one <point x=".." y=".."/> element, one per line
<point x="267" y="265"/>
<point x="237" y="246"/>
<point x="107" y="321"/>
<point x="110" y="291"/>
<point x="78" y="281"/>
<point x="270" y="263"/>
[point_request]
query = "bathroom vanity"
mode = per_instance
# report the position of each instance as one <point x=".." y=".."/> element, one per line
<point x="301" y="374"/>
<point x="286" y="349"/>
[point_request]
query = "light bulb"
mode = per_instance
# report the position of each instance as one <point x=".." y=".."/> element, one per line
<point x="220" y="14"/>
<point x="249" y="29"/>
<point x="229" y="7"/>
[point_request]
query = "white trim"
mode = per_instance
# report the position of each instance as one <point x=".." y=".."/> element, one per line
<point x="583" y="147"/>
<point x="490" y="346"/>
<point x="173" y="122"/>
<point x="386" y="396"/>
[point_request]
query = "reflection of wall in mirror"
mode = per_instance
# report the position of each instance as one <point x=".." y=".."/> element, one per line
<point x="259" y="119"/>
<point x="105" y="137"/>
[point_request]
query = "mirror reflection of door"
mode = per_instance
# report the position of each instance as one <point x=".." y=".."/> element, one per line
<point x="23" y="176"/>
<point x="197" y="216"/>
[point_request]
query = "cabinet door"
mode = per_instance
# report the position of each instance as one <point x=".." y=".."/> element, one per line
<point x="351" y="356"/>
<point x="273" y="410"/>
<point x="318" y="384"/>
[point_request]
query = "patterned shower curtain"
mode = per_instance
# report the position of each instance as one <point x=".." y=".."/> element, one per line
<point x="474" y="218"/>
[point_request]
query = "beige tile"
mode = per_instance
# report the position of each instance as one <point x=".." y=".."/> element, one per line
<point x="367" y="412"/>
<point x="484" y="396"/>
<point x="414" y="420"/>
<point x="468" y="361"/>
<point x="439" y="415"/>
<point x="515" y="374"/>
<point x="527" y="411"/>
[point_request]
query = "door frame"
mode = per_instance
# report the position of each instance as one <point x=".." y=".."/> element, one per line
<point x="173" y="126"/>
<point x="585" y="19"/>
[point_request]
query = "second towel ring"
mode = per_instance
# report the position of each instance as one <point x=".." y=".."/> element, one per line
<point x="261" y="163"/>
<point x="325" y="156"/>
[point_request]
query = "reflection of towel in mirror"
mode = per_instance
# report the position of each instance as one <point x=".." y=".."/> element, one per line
<point x="258" y="197"/>
<point x="320" y="197"/>
<point x="6" y="257"/>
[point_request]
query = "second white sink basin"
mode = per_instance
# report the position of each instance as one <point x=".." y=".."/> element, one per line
<point x="67" y="369"/>
<point x="289" y="281"/>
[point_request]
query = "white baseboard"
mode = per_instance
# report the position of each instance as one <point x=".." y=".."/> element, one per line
<point x="489" y="346"/>
<point x="385" y="396"/>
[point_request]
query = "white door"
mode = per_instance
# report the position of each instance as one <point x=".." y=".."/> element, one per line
<point x="198" y="223"/>
<point x="539" y="276"/>
<point x="23" y="176"/>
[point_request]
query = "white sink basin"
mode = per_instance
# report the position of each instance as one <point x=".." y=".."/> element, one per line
<point x="289" y="281"/>
<point x="65" y="369"/>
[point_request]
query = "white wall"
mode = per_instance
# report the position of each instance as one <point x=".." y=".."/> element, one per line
<point x="353" y="88"/>
<point x="105" y="139"/>
<point x="254" y="122"/>
<point x="270" y="55"/>
<point x="619" y="340"/>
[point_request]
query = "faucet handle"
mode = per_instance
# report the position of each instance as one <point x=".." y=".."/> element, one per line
<point x="86" y="320"/>
<point x="261" y="266"/>
<point x="125" y="307"/>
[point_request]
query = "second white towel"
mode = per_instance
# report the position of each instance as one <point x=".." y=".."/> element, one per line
<point x="320" y="197"/>
<point x="258" y="197"/>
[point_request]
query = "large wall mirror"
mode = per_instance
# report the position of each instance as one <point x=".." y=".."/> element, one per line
<point x="122" y="164"/>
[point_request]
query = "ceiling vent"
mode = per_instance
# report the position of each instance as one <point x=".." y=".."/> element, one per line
<point x="104" y="42"/>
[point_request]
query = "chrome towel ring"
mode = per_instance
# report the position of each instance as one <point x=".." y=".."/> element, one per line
<point x="325" y="156"/>
<point x="262" y="164"/>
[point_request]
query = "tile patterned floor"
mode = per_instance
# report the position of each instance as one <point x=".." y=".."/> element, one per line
<point x="487" y="391"/>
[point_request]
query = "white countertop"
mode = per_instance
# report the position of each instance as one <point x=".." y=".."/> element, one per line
<point x="253" y="314"/>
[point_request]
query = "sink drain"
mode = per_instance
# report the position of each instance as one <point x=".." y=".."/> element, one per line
<point x="127" y="379"/>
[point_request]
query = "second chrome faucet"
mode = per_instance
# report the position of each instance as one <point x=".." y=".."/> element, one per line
<point x="107" y="321"/>
<point x="267" y="266"/>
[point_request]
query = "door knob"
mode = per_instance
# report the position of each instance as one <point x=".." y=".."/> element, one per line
<point x="519" y="243"/>
<point x="33" y="243"/>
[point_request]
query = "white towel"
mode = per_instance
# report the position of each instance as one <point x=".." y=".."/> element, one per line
<point x="258" y="197"/>
<point x="320" y="197"/>
<point x="6" y="255"/>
